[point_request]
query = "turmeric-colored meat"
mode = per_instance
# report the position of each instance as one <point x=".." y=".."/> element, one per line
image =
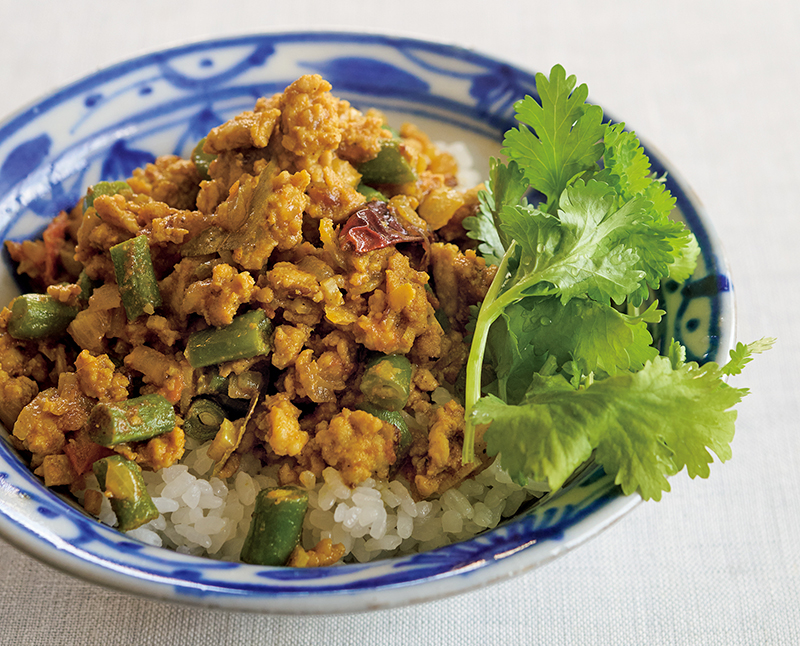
<point x="278" y="424"/>
<point x="398" y="313"/>
<point x="246" y="130"/>
<point x="98" y="378"/>
<point x="15" y="394"/>
<point x="309" y="117"/>
<point x="170" y="179"/>
<point x="325" y="553"/>
<point x="437" y="462"/>
<point x="358" y="445"/>
<point x="264" y="228"/>
<point x="461" y="278"/>
<point x="43" y="423"/>
<point x="218" y="298"/>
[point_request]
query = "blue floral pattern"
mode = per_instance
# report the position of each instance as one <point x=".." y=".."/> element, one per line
<point x="122" y="117"/>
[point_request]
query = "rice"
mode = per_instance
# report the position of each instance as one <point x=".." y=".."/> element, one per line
<point x="206" y="516"/>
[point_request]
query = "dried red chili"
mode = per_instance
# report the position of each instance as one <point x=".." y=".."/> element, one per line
<point x="374" y="226"/>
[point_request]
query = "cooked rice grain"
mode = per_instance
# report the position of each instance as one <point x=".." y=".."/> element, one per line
<point x="206" y="516"/>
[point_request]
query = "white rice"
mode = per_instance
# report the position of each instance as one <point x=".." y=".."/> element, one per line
<point x="206" y="516"/>
<point x="467" y="176"/>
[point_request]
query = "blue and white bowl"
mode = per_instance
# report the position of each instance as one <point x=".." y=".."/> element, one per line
<point x="111" y="122"/>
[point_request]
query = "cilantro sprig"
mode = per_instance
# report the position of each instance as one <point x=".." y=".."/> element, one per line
<point x="564" y="324"/>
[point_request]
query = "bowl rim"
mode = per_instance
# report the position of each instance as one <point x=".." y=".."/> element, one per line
<point x="49" y="548"/>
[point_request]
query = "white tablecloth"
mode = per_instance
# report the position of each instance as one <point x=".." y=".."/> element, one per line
<point x="714" y="86"/>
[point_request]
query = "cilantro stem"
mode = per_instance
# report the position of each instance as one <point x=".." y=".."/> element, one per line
<point x="491" y="308"/>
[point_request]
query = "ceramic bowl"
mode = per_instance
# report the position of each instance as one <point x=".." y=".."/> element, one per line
<point x="105" y="125"/>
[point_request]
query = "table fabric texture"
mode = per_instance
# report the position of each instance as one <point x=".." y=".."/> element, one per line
<point x="713" y="86"/>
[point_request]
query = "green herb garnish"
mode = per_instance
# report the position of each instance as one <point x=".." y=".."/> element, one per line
<point x="564" y="324"/>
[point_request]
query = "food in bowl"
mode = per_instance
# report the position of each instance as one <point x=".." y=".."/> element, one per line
<point x="287" y="327"/>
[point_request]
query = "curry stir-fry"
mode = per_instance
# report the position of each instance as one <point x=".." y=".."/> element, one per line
<point x="295" y="290"/>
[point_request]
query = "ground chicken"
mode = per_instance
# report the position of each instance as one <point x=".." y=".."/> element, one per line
<point x="99" y="379"/>
<point x="277" y="424"/>
<point x="218" y="298"/>
<point x="439" y="467"/>
<point x="170" y="179"/>
<point x="309" y="117"/>
<point x="461" y="279"/>
<point x="358" y="445"/>
<point x="399" y="313"/>
<point x="43" y="423"/>
<point x="246" y="130"/>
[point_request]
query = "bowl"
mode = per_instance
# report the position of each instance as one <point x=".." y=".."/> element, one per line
<point x="110" y="122"/>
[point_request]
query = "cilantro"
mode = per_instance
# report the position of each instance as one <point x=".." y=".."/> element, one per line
<point x="561" y="338"/>
<point x="742" y="354"/>
<point x="567" y="134"/>
<point x="506" y="187"/>
<point x="643" y="426"/>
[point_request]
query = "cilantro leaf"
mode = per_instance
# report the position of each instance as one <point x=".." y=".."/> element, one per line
<point x="642" y="426"/>
<point x="597" y="337"/>
<point x="582" y="250"/>
<point x="506" y="186"/>
<point x="742" y="354"/>
<point x="686" y="253"/>
<point x="672" y="249"/>
<point x="627" y="168"/>
<point x="593" y="338"/>
<point x="566" y="139"/>
<point x="544" y="440"/>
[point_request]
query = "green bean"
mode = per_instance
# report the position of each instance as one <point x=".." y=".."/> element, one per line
<point x="203" y="419"/>
<point x="388" y="167"/>
<point x="210" y="382"/>
<point x="38" y="316"/>
<point x="396" y="419"/>
<point x="86" y="284"/>
<point x="202" y="160"/>
<point x="371" y="193"/>
<point x="122" y="481"/>
<point x="136" y="278"/>
<point x="246" y="337"/>
<point x="387" y="381"/>
<point x="132" y="420"/>
<point x="276" y="527"/>
<point x="103" y="188"/>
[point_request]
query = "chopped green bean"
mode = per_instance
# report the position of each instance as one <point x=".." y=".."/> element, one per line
<point x="38" y="316"/>
<point x="396" y="419"/>
<point x="371" y="193"/>
<point x="122" y="481"/>
<point x="103" y="188"/>
<point x="276" y="527"/>
<point x="136" y="278"/>
<point x="203" y="419"/>
<point x="388" y="167"/>
<point x="202" y="160"/>
<point x="210" y="382"/>
<point x="387" y="381"/>
<point x="86" y="284"/>
<point x="132" y="420"/>
<point x="246" y="337"/>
